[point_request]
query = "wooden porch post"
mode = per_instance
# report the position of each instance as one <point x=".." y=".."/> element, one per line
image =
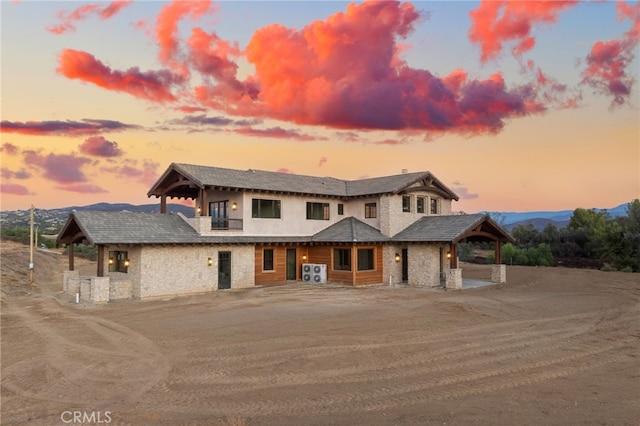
<point x="163" y="204"/>
<point x="453" y="263"/>
<point x="498" y="253"/>
<point x="70" y="250"/>
<point x="354" y="264"/>
<point x="101" y="261"/>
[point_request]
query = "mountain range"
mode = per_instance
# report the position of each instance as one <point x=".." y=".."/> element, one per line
<point x="53" y="219"/>
<point x="540" y="219"/>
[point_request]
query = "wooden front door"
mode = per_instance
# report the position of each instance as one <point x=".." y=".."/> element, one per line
<point x="291" y="264"/>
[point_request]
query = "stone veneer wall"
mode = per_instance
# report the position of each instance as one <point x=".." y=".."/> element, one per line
<point x="176" y="270"/>
<point x="392" y="270"/>
<point x="424" y="265"/>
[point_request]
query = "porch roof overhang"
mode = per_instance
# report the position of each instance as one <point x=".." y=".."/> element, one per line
<point x="454" y="229"/>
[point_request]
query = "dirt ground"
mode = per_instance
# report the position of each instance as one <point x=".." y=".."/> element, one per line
<point x="552" y="346"/>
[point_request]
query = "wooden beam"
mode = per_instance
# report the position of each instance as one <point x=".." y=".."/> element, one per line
<point x="100" y="261"/>
<point x="70" y="250"/>
<point x="498" y="252"/>
<point x="163" y="204"/>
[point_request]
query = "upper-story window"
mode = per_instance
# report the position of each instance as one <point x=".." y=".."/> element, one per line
<point x="435" y="206"/>
<point x="406" y="203"/>
<point x="420" y="205"/>
<point x="269" y="209"/>
<point x="340" y="209"/>
<point x="318" y="211"/>
<point x="370" y="210"/>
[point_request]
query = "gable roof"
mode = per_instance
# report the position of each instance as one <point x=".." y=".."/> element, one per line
<point x="349" y="229"/>
<point x="453" y="228"/>
<point x="185" y="180"/>
<point x="98" y="227"/>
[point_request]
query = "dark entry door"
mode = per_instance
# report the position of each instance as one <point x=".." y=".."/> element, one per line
<point x="291" y="264"/>
<point x="224" y="270"/>
<point x="405" y="265"/>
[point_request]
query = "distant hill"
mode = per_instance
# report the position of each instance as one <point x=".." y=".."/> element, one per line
<point x="540" y="219"/>
<point x="50" y="220"/>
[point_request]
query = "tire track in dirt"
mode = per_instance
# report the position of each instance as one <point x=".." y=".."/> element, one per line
<point x="237" y="381"/>
<point x="421" y="391"/>
<point x="112" y="363"/>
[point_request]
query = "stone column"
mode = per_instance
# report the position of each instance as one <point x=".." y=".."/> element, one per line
<point x="453" y="280"/>
<point x="499" y="274"/>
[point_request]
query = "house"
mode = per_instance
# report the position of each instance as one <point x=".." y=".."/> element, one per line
<point x="253" y="227"/>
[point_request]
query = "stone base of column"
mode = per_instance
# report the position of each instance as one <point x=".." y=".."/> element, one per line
<point x="453" y="279"/>
<point x="499" y="274"/>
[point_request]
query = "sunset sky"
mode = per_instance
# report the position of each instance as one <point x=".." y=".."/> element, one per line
<point x="516" y="106"/>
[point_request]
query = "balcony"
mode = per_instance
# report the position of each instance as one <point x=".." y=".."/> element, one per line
<point x="226" y="224"/>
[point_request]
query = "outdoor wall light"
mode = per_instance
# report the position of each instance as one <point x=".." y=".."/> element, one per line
<point x="304" y="257"/>
<point x="397" y="257"/>
<point x="209" y="261"/>
<point x="111" y="261"/>
<point x="448" y="255"/>
<point x="199" y="209"/>
<point x="234" y="206"/>
<point x="126" y="262"/>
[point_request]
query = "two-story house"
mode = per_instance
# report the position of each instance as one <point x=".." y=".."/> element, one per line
<point x="254" y="227"/>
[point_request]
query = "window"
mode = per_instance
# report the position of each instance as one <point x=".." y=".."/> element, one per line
<point x="267" y="260"/>
<point x="420" y="205"/>
<point x="406" y="203"/>
<point x="342" y="259"/>
<point x="340" y="209"/>
<point x="118" y="261"/>
<point x="370" y="210"/>
<point x="266" y="209"/>
<point x="434" y="206"/>
<point x="318" y="211"/>
<point x="365" y="260"/>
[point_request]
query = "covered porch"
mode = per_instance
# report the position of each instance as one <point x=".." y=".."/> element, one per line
<point x="447" y="232"/>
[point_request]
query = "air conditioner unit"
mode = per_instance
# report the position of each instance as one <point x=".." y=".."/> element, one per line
<point x="307" y="272"/>
<point x="319" y="274"/>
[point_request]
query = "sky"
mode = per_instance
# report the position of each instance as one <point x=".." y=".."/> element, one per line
<point x="515" y="106"/>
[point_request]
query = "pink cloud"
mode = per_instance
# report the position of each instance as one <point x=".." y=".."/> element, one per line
<point x="13" y="189"/>
<point x="9" y="174"/>
<point x="83" y="188"/>
<point x="496" y="22"/>
<point x="62" y="168"/>
<point x="151" y="85"/>
<point x="100" y="147"/>
<point x="144" y="171"/>
<point x="345" y="72"/>
<point x="9" y="149"/>
<point x="166" y="32"/>
<point x="83" y="12"/>
<point x="608" y="61"/>
<point x="275" y="132"/>
<point x="64" y="128"/>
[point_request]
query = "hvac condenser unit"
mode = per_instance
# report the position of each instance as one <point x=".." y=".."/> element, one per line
<point x="314" y="273"/>
<point x="307" y="272"/>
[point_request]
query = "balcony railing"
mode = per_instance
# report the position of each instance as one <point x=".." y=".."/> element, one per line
<point x="226" y="224"/>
